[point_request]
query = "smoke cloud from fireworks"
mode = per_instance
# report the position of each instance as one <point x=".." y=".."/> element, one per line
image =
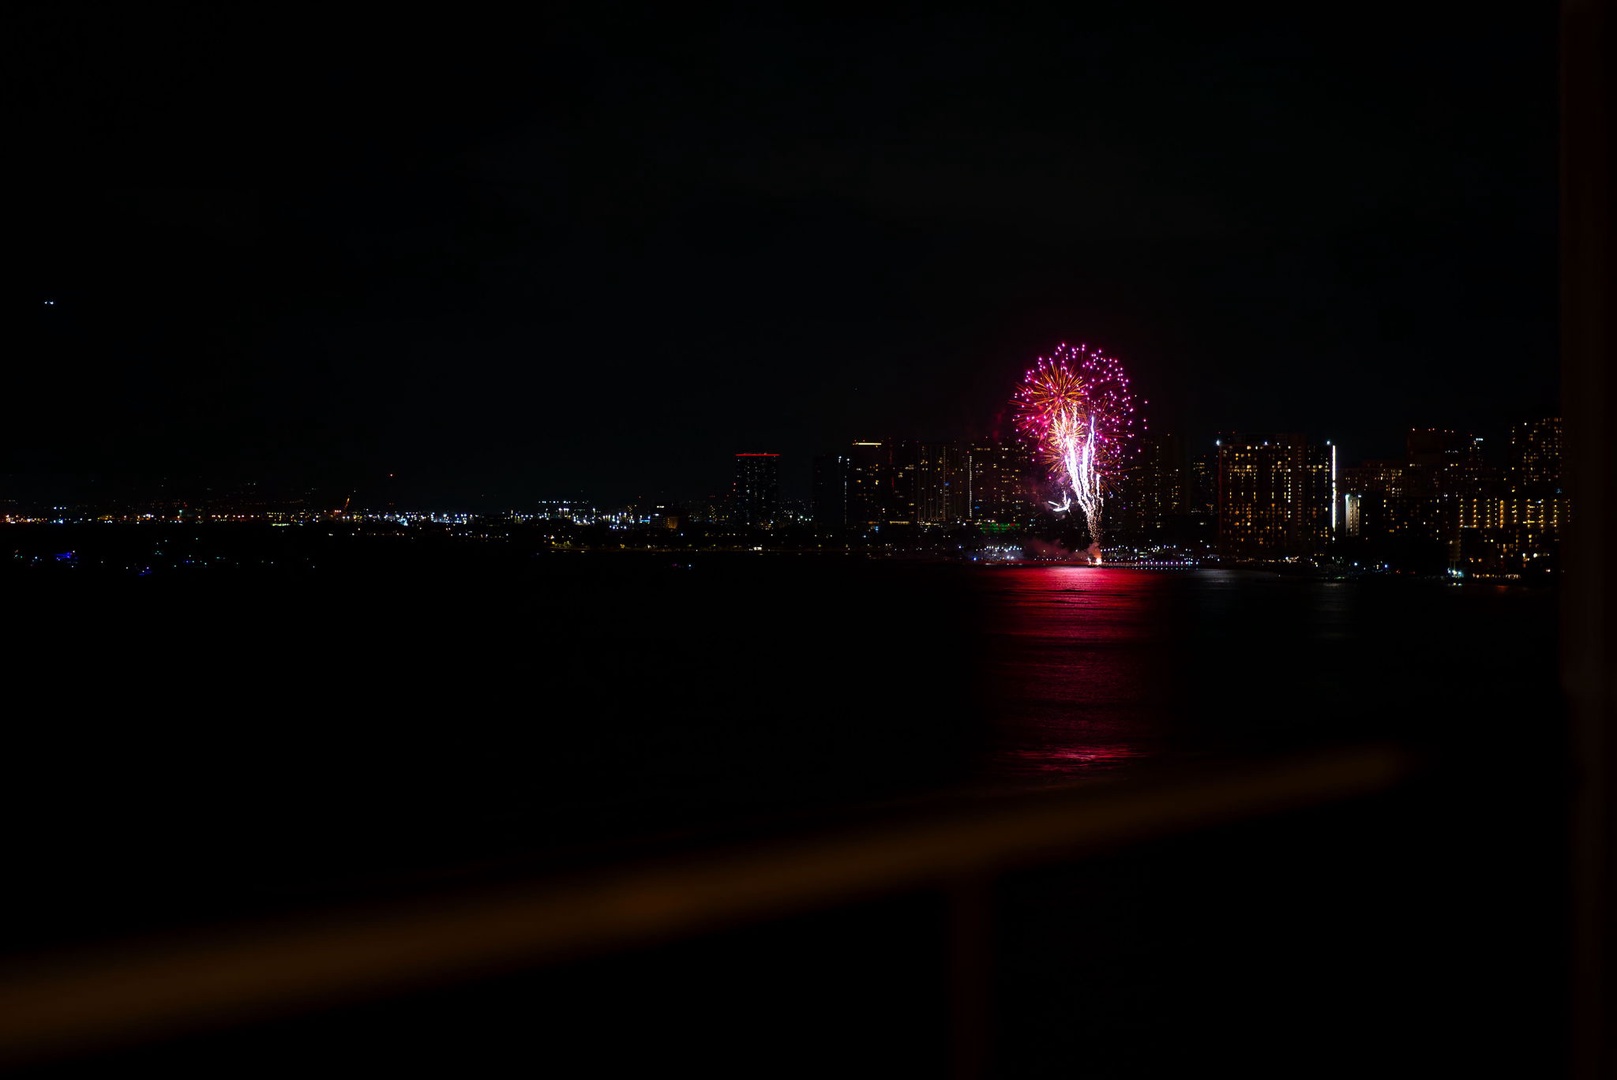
<point x="1076" y="409"/>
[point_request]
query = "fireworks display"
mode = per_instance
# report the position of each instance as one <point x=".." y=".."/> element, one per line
<point x="1076" y="408"/>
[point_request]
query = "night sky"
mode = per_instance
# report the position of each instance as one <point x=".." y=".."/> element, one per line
<point x="599" y="254"/>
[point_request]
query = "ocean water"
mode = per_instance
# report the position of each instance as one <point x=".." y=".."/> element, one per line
<point x="376" y="710"/>
<point x="356" y="722"/>
<point x="1092" y="670"/>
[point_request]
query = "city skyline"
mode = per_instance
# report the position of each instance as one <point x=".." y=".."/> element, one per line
<point x="1253" y="498"/>
<point x="37" y="491"/>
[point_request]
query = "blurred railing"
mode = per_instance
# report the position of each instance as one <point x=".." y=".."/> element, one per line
<point x="162" y="989"/>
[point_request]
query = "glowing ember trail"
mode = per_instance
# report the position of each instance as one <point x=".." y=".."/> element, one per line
<point x="1076" y="408"/>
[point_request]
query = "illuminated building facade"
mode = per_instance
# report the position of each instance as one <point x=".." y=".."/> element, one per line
<point x="933" y="483"/>
<point x="1276" y="496"/>
<point x="925" y="476"/>
<point x="904" y="486"/>
<point x="1417" y="501"/>
<point x="1535" y="455"/>
<point x="892" y="482"/>
<point x="755" y="499"/>
<point x="1319" y="512"/>
<point x="1508" y="522"/>
<point x="1153" y="495"/>
<point x="1202" y="494"/>
<point x="998" y="483"/>
<point x="1445" y="504"/>
<point x="870" y="483"/>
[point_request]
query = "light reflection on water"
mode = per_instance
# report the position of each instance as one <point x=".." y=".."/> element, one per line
<point x="1088" y="670"/>
<point x="1071" y="652"/>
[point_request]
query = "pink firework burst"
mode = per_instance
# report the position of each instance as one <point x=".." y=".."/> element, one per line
<point x="1076" y="408"/>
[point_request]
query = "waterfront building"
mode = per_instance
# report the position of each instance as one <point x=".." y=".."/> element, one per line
<point x="828" y="495"/>
<point x="870" y="482"/>
<point x="1535" y="455"/>
<point x="1153" y="495"/>
<point x="999" y="480"/>
<point x="1276" y="496"/>
<point x="755" y="498"/>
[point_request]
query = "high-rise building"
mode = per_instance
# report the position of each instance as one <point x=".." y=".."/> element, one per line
<point x="891" y="482"/>
<point x="870" y="482"/>
<point x="1380" y="476"/>
<point x="1153" y="493"/>
<point x="923" y="478"/>
<point x="998" y="483"/>
<point x="1439" y="461"/>
<point x="1436" y="448"/>
<point x="829" y="491"/>
<point x="903" y="462"/>
<point x="1275" y="496"/>
<point x="1372" y="493"/>
<point x="1319" y="514"/>
<point x="1535" y="455"/>
<point x="933" y="472"/>
<point x="957" y="478"/>
<point x="1414" y="509"/>
<point x="755" y="499"/>
<point x="1507" y="521"/>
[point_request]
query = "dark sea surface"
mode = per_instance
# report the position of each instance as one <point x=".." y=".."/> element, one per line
<point x="1093" y="669"/>
<point x="355" y="708"/>
<point x="292" y="723"/>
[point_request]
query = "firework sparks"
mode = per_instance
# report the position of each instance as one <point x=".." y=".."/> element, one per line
<point x="1076" y="408"/>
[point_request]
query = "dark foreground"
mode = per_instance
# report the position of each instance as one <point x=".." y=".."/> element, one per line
<point x="191" y="751"/>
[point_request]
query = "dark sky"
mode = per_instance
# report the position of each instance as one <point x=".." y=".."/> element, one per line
<point x="599" y="254"/>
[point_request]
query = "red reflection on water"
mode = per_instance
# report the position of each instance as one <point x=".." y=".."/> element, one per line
<point x="1075" y="667"/>
<point x="1065" y="759"/>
